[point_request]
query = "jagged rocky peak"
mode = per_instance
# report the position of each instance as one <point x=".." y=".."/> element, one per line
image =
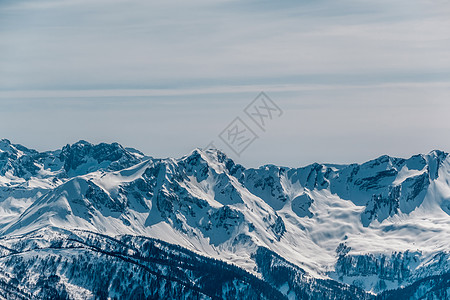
<point x="200" y="163"/>
<point x="438" y="154"/>
<point x="7" y="151"/>
<point x="280" y="223"/>
<point x="17" y="160"/>
<point x="88" y="156"/>
<point x="13" y="151"/>
<point x="199" y="155"/>
<point x="389" y="185"/>
<point x="435" y="160"/>
<point x="4" y="144"/>
<point x="416" y="162"/>
<point x="382" y="163"/>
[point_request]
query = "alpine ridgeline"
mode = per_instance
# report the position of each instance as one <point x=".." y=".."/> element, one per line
<point x="104" y="221"/>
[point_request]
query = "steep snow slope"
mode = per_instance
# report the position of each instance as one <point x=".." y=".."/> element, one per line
<point x="379" y="225"/>
<point x="26" y="174"/>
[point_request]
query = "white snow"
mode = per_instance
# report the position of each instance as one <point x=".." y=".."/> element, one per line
<point x="309" y="242"/>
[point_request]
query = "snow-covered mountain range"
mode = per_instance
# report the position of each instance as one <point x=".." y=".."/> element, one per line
<point x="203" y="226"/>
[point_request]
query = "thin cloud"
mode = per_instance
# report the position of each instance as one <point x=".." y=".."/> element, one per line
<point x="355" y="78"/>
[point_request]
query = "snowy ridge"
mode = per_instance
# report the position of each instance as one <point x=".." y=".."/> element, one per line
<point x="355" y="224"/>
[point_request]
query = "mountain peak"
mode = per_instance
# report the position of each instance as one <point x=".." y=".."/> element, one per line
<point x="211" y="158"/>
<point x="87" y="156"/>
<point x="5" y="142"/>
<point x="205" y="202"/>
<point x="5" y="145"/>
<point x="438" y="153"/>
<point x="82" y="143"/>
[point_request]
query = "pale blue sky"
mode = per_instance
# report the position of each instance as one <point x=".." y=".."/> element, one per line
<point x="355" y="79"/>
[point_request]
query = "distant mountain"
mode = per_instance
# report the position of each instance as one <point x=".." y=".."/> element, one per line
<point x="360" y="231"/>
<point x="17" y="161"/>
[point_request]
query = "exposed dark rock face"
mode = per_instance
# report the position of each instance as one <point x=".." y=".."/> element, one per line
<point x="208" y="204"/>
